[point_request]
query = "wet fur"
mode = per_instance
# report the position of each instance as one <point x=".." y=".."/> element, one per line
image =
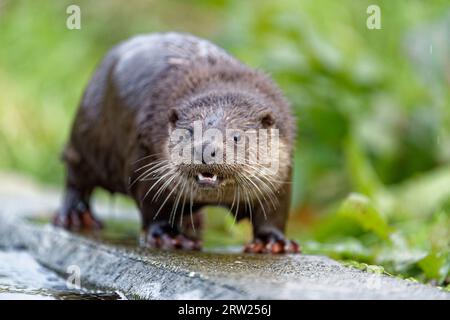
<point x="123" y="118"/>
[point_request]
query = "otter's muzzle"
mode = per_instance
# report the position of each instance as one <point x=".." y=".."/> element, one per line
<point x="207" y="180"/>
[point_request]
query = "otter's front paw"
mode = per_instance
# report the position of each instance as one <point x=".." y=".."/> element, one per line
<point x="272" y="242"/>
<point x="272" y="246"/>
<point x="163" y="236"/>
<point x="78" y="219"/>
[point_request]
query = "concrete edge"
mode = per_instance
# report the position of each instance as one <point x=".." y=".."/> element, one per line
<point x="107" y="267"/>
<point x="138" y="275"/>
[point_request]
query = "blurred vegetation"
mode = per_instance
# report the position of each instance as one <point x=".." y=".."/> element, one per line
<point x="372" y="167"/>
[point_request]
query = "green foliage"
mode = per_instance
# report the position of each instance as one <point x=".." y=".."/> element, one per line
<point x="372" y="158"/>
<point x="358" y="208"/>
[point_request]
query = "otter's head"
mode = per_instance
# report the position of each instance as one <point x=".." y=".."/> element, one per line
<point x="228" y="145"/>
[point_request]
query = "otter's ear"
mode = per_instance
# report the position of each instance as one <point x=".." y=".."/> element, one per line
<point x="267" y="120"/>
<point x="173" y="116"/>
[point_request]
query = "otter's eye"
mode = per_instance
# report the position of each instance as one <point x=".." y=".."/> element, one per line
<point x="237" y="137"/>
<point x="173" y="116"/>
<point x="267" y="120"/>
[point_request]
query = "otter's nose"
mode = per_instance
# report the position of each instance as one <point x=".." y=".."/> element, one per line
<point x="209" y="156"/>
<point x="207" y="153"/>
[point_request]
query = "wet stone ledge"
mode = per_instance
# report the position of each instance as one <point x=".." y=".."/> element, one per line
<point x="146" y="274"/>
<point x="153" y="274"/>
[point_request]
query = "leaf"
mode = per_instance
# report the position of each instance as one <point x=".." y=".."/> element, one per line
<point x="434" y="265"/>
<point x="360" y="209"/>
<point x="362" y="174"/>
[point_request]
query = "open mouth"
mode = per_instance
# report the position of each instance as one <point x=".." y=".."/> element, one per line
<point x="208" y="180"/>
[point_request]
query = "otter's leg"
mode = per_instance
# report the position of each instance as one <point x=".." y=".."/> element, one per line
<point x="75" y="212"/>
<point x="269" y="226"/>
<point x="159" y="232"/>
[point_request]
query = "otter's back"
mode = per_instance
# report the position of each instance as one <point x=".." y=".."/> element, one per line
<point x="141" y="60"/>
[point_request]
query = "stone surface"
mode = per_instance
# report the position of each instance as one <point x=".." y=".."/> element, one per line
<point x="148" y="274"/>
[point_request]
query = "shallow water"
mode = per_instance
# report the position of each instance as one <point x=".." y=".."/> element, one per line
<point x="23" y="278"/>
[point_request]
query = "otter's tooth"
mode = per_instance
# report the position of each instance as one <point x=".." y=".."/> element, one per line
<point x="214" y="178"/>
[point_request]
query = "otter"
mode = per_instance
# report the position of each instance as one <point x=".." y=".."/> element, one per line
<point x="147" y="88"/>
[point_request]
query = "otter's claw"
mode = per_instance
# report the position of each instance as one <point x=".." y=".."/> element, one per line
<point x="159" y="237"/>
<point x="77" y="220"/>
<point x="167" y="242"/>
<point x="272" y="246"/>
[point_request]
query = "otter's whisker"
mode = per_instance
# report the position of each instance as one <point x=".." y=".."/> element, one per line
<point x="156" y="174"/>
<point x="182" y="208"/>
<point x="151" y="164"/>
<point x="147" y="172"/>
<point x="269" y="189"/>
<point x="192" y="216"/>
<point x="248" y="192"/>
<point x="236" y="191"/>
<point x="164" y="186"/>
<point x="175" y="206"/>
<point x="269" y="192"/>
<point x="167" y="198"/>
<point x="257" y="196"/>
<point x="146" y="157"/>
<point x="155" y="184"/>
<point x="234" y="200"/>
<point x="248" y="203"/>
<point x="261" y="173"/>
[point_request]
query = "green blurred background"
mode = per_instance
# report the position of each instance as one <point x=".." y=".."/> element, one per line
<point x="372" y="164"/>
